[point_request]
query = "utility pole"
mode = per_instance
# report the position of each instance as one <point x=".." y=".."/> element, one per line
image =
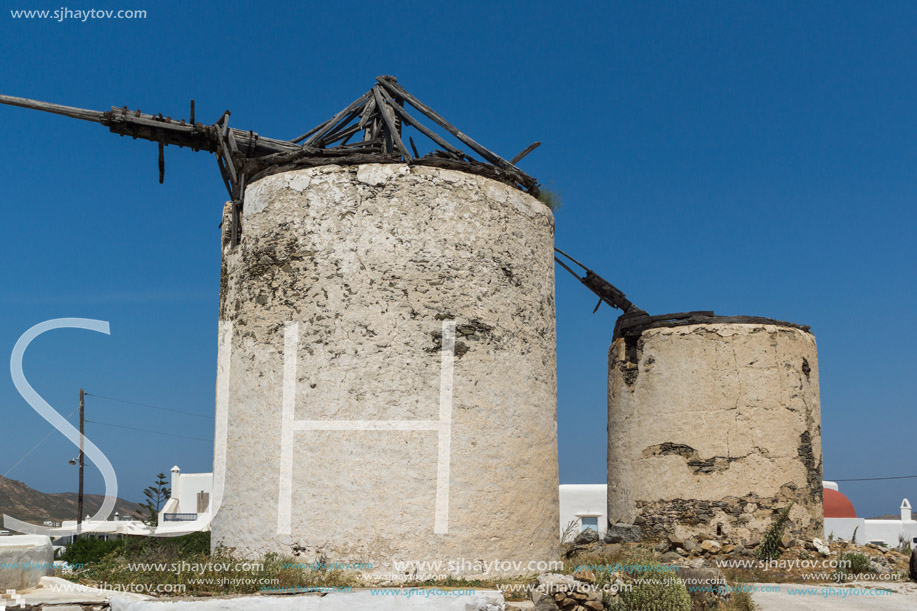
<point x="79" y="498"/>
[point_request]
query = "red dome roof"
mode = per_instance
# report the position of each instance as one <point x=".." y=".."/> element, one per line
<point x="837" y="505"/>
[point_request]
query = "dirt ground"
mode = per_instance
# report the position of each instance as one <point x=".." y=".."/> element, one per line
<point x="854" y="595"/>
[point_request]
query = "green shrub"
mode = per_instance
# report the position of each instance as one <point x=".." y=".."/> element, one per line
<point x="770" y="546"/>
<point x="654" y="591"/>
<point x="189" y="574"/>
<point x="851" y="564"/>
<point x="143" y="548"/>
<point x="551" y="199"/>
<point x="88" y="550"/>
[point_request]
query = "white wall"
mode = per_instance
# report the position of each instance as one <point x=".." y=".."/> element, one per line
<point x="191" y="484"/>
<point x="185" y="487"/>
<point x="886" y="531"/>
<point x="577" y="500"/>
<point x="843" y="528"/>
<point x="889" y="531"/>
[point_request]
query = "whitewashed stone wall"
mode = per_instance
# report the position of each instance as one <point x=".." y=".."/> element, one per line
<point x="370" y="261"/>
<point x="715" y="424"/>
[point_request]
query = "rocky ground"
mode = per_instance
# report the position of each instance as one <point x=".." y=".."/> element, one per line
<point x="624" y="572"/>
<point x="720" y="573"/>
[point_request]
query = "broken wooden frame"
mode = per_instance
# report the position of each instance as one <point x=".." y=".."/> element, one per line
<point x="376" y="119"/>
<point x="606" y="291"/>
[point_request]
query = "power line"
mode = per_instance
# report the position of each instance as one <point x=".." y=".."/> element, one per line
<point x="873" y="479"/>
<point x="131" y="428"/>
<point x="165" y="409"/>
<point x="35" y="447"/>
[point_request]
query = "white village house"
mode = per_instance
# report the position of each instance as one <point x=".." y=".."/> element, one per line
<point x="189" y="502"/>
<point x="583" y="506"/>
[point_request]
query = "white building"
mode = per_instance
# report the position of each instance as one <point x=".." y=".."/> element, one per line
<point x="188" y="504"/>
<point x="108" y="529"/>
<point x="841" y="522"/>
<point x="583" y="506"/>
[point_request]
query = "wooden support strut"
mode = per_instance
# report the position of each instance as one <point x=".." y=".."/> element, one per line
<point x="379" y="114"/>
<point x="331" y="136"/>
<point x="493" y="158"/>
<point x="328" y="125"/>
<point x="234" y="224"/>
<point x="343" y="134"/>
<point x="524" y="179"/>
<point x="525" y="152"/>
<point x="162" y="163"/>
<point x="423" y="129"/>
<point x="389" y="118"/>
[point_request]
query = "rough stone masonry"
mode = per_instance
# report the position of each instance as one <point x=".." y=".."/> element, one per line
<point x="713" y="428"/>
<point x="370" y="261"/>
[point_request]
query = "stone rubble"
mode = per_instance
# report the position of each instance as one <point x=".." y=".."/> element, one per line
<point x="577" y="592"/>
<point x="623" y="533"/>
<point x="586" y="536"/>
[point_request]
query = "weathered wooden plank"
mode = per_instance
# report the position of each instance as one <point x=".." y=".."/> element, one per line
<point x="261" y="145"/>
<point x="389" y="117"/>
<point x="334" y="120"/>
<point x="311" y="131"/>
<point x="57" y="109"/>
<point x="525" y="152"/>
<point x="225" y="152"/>
<point x="361" y="145"/>
<point x="341" y="135"/>
<point x="342" y="125"/>
<point x="377" y="127"/>
<point x="490" y="156"/>
<point x="230" y="137"/>
<point x="162" y="163"/>
<point x="681" y="315"/>
<point x="367" y="113"/>
<point x="224" y="174"/>
<point x="315" y="129"/>
<point x="147" y="127"/>
<point x="119" y="114"/>
<point x="423" y="129"/>
<point x="234" y="228"/>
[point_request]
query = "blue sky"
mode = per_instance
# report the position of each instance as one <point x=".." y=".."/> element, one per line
<point x="752" y="158"/>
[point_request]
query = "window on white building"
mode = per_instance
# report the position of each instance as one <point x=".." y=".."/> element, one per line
<point x="590" y="522"/>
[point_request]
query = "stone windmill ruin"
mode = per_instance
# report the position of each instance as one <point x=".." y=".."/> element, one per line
<point x="387" y="362"/>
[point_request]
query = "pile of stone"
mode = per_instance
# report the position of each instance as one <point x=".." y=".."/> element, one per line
<point x="577" y="592"/>
<point x="616" y="534"/>
<point x="623" y="533"/>
<point x="884" y="560"/>
<point x="675" y="549"/>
